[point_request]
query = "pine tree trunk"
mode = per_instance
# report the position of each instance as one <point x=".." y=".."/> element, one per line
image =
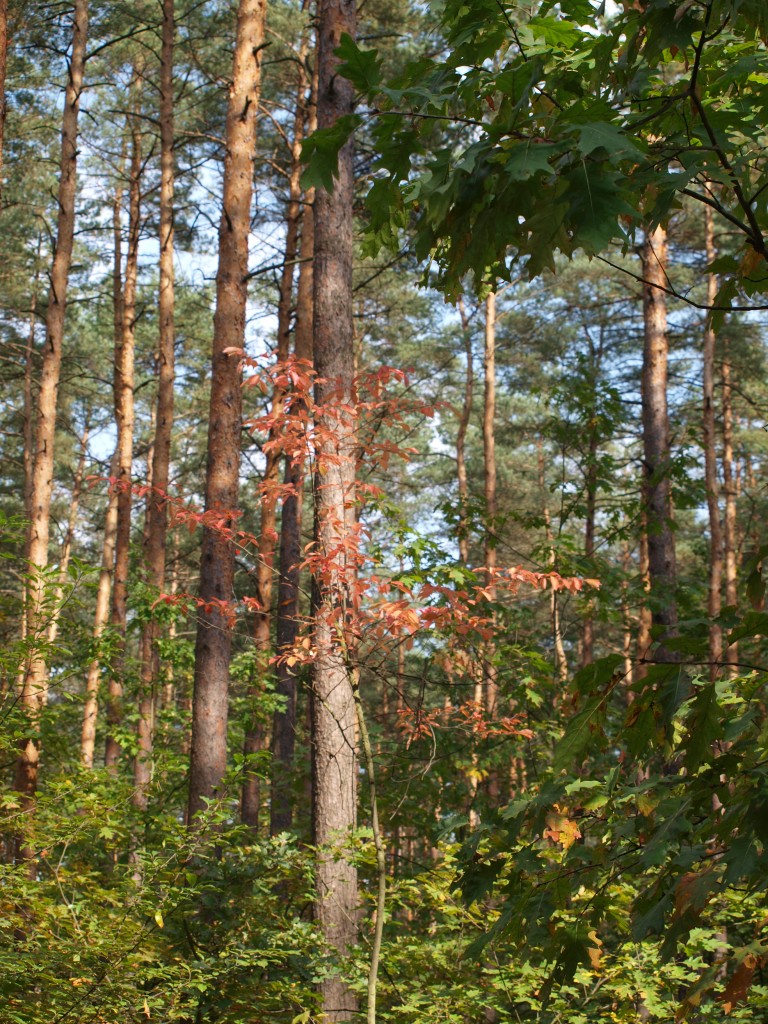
<point x="255" y="738"/>
<point x="561" y="661"/>
<point x="289" y="577"/>
<point x="588" y="631"/>
<point x="157" y="510"/>
<point x="100" y="616"/>
<point x="334" y="758"/>
<point x="661" y="539"/>
<point x="710" y="465"/>
<point x="729" y="490"/>
<point x="66" y="546"/>
<point x="25" y="778"/>
<point x="208" y="756"/>
<point x="461" y="435"/>
<point x="489" y="459"/>
<point x="123" y="385"/>
<point x="3" y="71"/>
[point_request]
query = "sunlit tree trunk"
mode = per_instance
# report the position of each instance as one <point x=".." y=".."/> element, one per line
<point x="710" y="464"/>
<point x="729" y="491"/>
<point x="100" y="616"/>
<point x="208" y="756"/>
<point x="66" y="545"/>
<point x="25" y="778"/>
<point x="334" y="758"/>
<point x="157" y="510"/>
<point x="461" y="434"/>
<point x="661" y="539"/>
<point x="123" y="386"/>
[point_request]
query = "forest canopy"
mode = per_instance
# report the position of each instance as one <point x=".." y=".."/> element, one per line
<point x="383" y="432"/>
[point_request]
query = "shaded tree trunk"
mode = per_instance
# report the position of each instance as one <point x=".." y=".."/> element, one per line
<point x="561" y="661"/>
<point x="265" y="567"/>
<point x="208" y="756"/>
<point x="489" y="460"/>
<point x="157" y="510"/>
<point x="289" y="578"/>
<point x="710" y="464"/>
<point x="3" y="71"/>
<point x="123" y="385"/>
<point x="25" y="778"/>
<point x="334" y="760"/>
<point x="661" y="539"/>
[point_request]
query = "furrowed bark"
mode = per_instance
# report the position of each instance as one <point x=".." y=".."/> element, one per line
<point x="710" y="464"/>
<point x="656" y="445"/>
<point x="123" y="386"/>
<point x="334" y="758"/>
<point x="208" y="756"/>
<point x="25" y="778"/>
<point x="157" y="511"/>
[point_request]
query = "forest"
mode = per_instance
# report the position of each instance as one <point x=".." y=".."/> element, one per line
<point x="383" y="479"/>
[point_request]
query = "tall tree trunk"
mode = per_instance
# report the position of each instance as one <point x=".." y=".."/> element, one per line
<point x="561" y="661"/>
<point x="289" y="578"/>
<point x="208" y="757"/>
<point x="710" y="464"/>
<point x="100" y="616"/>
<point x="334" y="760"/>
<point x="588" y="631"/>
<point x="661" y="539"/>
<point x="157" y="511"/>
<point x="265" y="568"/>
<point x="461" y="435"/>
<point x="25" y="778"/>
<point x="489" y="459"/>
<point x="124" y="384"/>
<point x="3" y="71"/>
<point x="729" y="490"/>
<point x="66" y="546"/>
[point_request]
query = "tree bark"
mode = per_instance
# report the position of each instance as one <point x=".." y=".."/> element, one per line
<point x="157" y="510"/>
<point x="729" y="491"/>
<point x="561" y="661"/>
<point x="100" y="616"/>
<point x="25" y="779"/>
<point x="489" y="459"/>
<point x="123" y="386"/>
<point x="265" y="567"/>
<point x="289" y="578"/>
<point x="710" y="464"/>
<point x="461" y="435"/>
<point x="66" y="547"/>
<point x="208" y="756"/>
<point x="334" y="759"/>
<point x="658" y="499"/>
<point x="3" y="71"/>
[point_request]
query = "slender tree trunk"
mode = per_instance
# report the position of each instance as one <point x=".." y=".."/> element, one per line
<point x="208" y="757"/>
<point x="489" y="458"/>
<point x="561" y="662"/>
<point x="289" y="579"/>
<point x="123" y="384"/>
<point x="729" y="490"/>
<point x="644" y="616"/>
<point x="334" y="759"/>
<point x="661" y="539"/>
<point x="157" y="511"/>
<point x="265" y="568"/>
<point x="461" y="435"/>
<point x="710" y="464"/>
<point x="3" y="71"/>
<point x="588" y="631"/>
<point x="100" y="616"/>
<point x="25" y="779"/>
<point x="66" y="547"/>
